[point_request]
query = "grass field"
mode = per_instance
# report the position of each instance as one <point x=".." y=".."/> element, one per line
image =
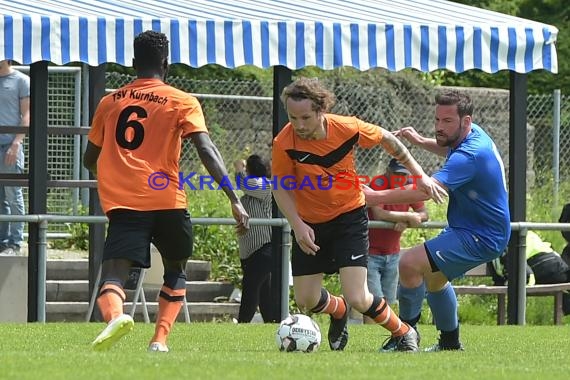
<point x="228" y="351"/>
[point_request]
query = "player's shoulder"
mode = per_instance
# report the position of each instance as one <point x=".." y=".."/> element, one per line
<point x="343" y="121"/>
<point x="476" y="142"/>
<point x="285" y="136"/>
<point x="173" y="91"/>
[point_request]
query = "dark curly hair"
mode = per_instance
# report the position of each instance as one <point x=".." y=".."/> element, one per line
<point x="150" y="50"/>
<point x="257" y="166"/>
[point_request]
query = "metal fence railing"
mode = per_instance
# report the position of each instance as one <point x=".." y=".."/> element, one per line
<point x="43" y="221"/>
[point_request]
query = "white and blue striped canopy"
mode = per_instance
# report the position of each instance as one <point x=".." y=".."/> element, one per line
<point x="393" y="34"/>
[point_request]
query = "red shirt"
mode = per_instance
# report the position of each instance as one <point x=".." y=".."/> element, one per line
<point x="384" y="241"/>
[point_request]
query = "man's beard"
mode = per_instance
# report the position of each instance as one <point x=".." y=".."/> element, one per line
<point x="450" y="141"/>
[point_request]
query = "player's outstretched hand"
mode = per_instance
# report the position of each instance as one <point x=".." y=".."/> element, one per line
<point x="409" y="134"/>
<point x="432" y="188"/>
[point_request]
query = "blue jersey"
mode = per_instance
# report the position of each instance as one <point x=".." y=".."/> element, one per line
<point x="478" y="204"/>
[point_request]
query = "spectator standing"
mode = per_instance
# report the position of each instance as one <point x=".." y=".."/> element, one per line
<point x="384" y="251"/>
<point x="255" y="242"/>
<point x="14" y="111"/>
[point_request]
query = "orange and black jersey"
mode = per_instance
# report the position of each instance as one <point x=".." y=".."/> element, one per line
<point x="319" y="161"/>
<point x="139" y="129"/>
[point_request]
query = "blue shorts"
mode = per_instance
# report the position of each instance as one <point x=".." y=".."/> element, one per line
<point x="456" y="251"/>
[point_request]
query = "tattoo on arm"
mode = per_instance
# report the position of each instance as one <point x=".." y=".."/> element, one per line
<point x="395" y="148"/>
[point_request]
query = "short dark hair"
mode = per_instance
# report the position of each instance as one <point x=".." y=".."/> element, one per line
<point x="454" y="97"/>
<point x="150" y="49"/>
<point x="256" y="166"/>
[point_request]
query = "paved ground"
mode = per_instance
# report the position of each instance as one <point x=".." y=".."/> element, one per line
<point x="54" y="254"/>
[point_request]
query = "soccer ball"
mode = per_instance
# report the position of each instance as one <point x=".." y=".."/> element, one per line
<point x="298" y="332"/>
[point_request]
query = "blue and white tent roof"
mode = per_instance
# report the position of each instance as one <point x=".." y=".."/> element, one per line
<point x="393" y="34"/>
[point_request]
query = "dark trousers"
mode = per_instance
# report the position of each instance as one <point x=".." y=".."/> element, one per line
<point x="550" y="268"/>
<point x="256" y="285"/>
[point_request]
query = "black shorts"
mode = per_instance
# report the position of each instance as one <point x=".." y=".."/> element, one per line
<point x="343" y="242"/>
<point x="549" y="268"/>
<point x="130" y="233"/>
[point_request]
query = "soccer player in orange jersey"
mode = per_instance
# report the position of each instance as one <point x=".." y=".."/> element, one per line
<point x="329" y="220"/>
<point x="134" y="149"/>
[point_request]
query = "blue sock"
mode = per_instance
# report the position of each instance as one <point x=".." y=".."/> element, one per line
<point x="410" y="303"/>
<point x="443" y="305"/>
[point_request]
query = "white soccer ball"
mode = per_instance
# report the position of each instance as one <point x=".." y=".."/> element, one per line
<point x="298" y="332"/>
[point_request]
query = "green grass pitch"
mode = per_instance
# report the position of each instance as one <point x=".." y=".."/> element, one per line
<point x="248" y="351"/>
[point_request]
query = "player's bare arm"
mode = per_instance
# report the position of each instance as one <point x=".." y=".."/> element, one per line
<point x="413" y="137"/>
<point x="423" y="212"/>
<point x="409" y="194"/>
<point x="396" y="149"/>
<point x="214" y="164"/>
<point x="393" y="196"/>
<point x="91" y="156"/>
<point x="378" y="213"/>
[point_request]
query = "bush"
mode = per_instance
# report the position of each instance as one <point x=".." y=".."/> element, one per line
<point x="215" y="243"/>
<point x="79" y="232"/>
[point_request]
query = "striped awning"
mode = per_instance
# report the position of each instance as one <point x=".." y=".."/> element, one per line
<point x="394" y="34"/>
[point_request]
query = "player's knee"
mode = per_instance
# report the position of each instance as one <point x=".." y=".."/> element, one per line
<point x="115" y="271"/>
<point x="174" y="265"/>
<point x="408" y="265"/>
<point x="357" y="301"/>
<point x="174" y="275"/>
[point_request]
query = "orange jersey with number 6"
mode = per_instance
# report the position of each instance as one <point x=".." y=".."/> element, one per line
<point x="139" y="129"/>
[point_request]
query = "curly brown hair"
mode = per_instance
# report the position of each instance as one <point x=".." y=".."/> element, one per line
<point x="309" y="88"/>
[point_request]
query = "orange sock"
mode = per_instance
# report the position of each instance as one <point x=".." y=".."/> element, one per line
<point x="330" y="304"/>
<point x="169" y="304"/>
<point x="110" y="300"/>
<point x="383" y="314"/>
